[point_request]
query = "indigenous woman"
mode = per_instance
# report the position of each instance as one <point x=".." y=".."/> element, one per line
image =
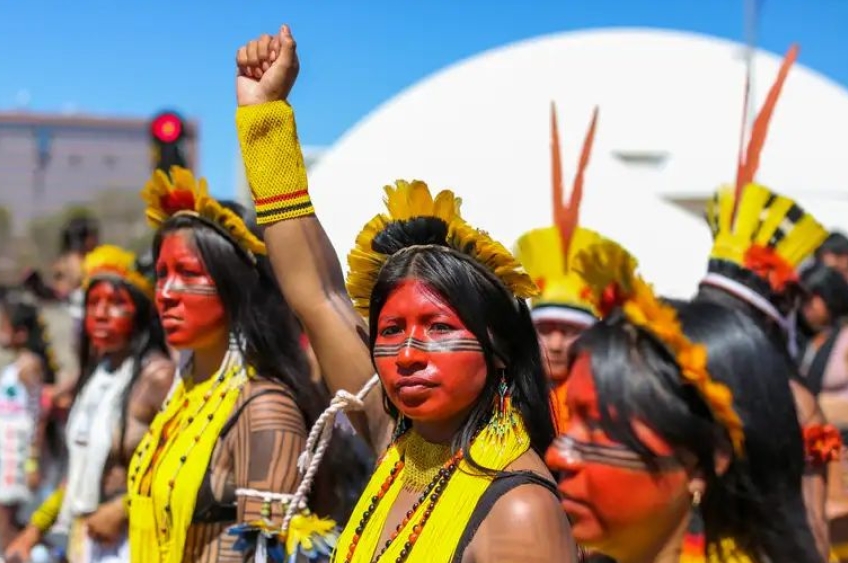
<point x="21" y="417"/>
<point x="664" y="431"/>
<point x="125" y="375"/>
<point x="236" y="420"/>
<point x="761" y="238"/>
<point x="561" y="312"/>
<point x="449" y="334"/>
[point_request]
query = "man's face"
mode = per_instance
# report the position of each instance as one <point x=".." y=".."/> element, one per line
<point x="556" y="338"/>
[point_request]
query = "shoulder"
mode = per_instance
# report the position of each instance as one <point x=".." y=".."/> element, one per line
<point x="526" y="524"/>
<point x="30" y="364"/>
<point x="269" y="403"/>
<point x="158" y="370"/>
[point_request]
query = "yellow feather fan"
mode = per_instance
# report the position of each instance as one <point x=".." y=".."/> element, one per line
<point x="406" y="201"/>
<point x="612" y="280"/>
<point x="109" y="260"/>
<point x="181" y="194"/>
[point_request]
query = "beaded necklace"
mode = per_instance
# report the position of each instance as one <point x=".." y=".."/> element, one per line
<point x="231" y="378"/>
<point x="428" y="498"/>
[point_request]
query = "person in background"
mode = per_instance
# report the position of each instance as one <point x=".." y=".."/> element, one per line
<point x="22" y="419"/>
<point x="562" y="312"/>
<point x="834" y="252"/>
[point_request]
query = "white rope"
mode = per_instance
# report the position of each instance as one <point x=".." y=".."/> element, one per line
<point x="264" y="495"/>
<point x="319" y="440"/>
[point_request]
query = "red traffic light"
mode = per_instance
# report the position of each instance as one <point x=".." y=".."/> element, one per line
<point x="167" y="127"/>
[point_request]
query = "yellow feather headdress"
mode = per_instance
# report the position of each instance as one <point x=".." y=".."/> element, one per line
<point x="406" y="201"/>
<point x="612" y="283"/>
<point x="112" y="261"/>
<point x="547" y="253"/>
<point x="181" y="194"/>
<point x="755" y="229"/>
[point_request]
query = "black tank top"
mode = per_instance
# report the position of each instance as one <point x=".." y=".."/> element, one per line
<point x="502" y="484"/>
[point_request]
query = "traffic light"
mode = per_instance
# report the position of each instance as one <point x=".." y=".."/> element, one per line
<point x="167" y="133"/>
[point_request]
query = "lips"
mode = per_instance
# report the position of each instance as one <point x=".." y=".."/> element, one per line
<point x="414" y="381"/>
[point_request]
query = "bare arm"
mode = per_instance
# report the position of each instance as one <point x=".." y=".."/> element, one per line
<point x="304" y="260"/>
<point x="526" y="525"/>
<point x="814" y="483"/>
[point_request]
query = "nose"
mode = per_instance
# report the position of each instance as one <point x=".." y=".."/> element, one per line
<point x="100" y="310"/>
<point x="410" y="357"/>
<point x="563" y="455"/>
<point x="165" y="290"/>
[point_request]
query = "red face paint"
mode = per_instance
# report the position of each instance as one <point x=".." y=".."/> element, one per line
<point x="431" y="365"/>
<point x="109" y="317"/>
<point x="192" y="313"/>
<point x="556" y="339"/>
<point x="613" y="502"/>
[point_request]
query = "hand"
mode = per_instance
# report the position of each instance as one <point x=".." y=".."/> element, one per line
<point x="267" y="69"/>
<point x="107" y="523"/>
<point x="19" y="548"/>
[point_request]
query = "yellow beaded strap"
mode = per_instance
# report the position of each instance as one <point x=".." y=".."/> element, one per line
<point x="273" y="162"/>
<point x="171" y="468"/>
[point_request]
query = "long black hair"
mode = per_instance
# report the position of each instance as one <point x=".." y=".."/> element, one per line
<point x="500" y="322"/>
<point x="270" y="340"/>
<point x="255" y="307"/>
<point x="757" y="501"/>
<point x="147" y="339"/>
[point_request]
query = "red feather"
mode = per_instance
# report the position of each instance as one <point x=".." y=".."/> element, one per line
<point x="180" y="200"/>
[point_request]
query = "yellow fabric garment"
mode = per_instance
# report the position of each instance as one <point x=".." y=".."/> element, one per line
<point x="160" y="514"/>
<point x="693" y="552"/>
<point x="273" y="162"/>
<point x="45" y="516"/>
<point x="441" y="533"/>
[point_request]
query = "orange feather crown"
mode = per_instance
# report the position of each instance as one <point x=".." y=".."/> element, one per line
<point x="112" y="261"/>
<point x="182" y="194"/>
<point x="612" y="283"/>
<point x="405" y="201"/>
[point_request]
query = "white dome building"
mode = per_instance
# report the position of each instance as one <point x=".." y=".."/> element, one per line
<point x="670" y="113"/>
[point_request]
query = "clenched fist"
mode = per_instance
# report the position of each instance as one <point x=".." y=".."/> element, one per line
<point x="267" y="68"/>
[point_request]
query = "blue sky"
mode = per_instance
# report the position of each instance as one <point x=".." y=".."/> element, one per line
<point x="355" y="55"/>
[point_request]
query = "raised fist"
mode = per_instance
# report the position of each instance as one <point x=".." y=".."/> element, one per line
<point x="267" y="68"/>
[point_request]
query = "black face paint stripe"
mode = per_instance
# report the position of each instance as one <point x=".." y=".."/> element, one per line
<point x="616" y="456"/>
<point x="437" y="346"/>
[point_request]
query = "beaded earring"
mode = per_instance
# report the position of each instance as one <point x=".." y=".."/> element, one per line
<point x="503" y="419"/>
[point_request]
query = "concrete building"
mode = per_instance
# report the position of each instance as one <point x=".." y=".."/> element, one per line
<point x="668" y="133"/>
<point x="51" y="162"/>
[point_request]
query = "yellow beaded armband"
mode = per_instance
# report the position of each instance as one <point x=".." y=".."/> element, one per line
<point x="46" y="515"/>
<point x="273" y="162"/>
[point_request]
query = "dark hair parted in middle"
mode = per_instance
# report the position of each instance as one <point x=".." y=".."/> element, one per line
<point x="757" y="501"/>
<point x="500" y="322"/>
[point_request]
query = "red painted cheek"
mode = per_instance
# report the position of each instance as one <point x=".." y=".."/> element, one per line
<point x="610" y="505"/>
<point x="455" y="380"/>
<point x="430" y="364"/>
<point x="109" y="318"/>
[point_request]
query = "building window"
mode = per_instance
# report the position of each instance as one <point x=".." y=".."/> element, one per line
<point x="74" y="160"/>
<point x="110" y="161"/>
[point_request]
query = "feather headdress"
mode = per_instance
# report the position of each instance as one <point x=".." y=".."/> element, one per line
<point x="613" y="283"/>
<point x="407" y="201"/>
<point x="757" y="230"/>
<point x="112" y="261"/>
<point x="547" y="253"/>
<point x="181" y="194"/>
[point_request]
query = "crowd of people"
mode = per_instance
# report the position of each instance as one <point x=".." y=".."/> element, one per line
<point x="235" y="397"/>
